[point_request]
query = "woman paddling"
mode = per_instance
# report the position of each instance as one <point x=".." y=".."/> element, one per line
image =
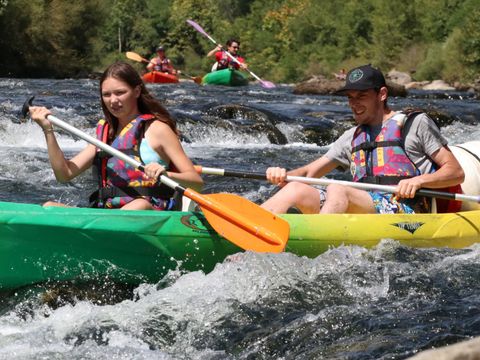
<point x="137" y="124"/>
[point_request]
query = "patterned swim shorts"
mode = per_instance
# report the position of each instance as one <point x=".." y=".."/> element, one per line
<point x="387" y="203"/>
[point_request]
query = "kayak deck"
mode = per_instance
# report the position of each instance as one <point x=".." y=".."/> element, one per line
<point x="159" y="78"/>
<point x="227" y="77"/>
<point x="59" y="244"/>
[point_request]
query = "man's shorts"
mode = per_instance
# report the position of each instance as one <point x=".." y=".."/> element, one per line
<point x="387" y="203"/>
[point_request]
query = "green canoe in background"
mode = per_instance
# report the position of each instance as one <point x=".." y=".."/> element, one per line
<point x="40" y="245"/>
<point x="227" y="77"/>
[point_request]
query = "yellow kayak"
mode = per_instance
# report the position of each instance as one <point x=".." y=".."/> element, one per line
<point x="63" y="244"/>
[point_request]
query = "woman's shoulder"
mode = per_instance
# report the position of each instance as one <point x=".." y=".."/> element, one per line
<point x="159" y="127"/>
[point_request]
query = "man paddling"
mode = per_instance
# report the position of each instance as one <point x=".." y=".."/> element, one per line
<point x="161" y="63"/>
<point x="386" y="147"/>
<point x="223" y="61"/>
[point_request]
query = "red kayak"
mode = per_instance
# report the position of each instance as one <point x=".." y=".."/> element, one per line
<point x="159" y="78"/>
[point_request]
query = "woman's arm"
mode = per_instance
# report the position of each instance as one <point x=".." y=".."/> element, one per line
<point x="64" y="169"/>
<point x="166" y="143"/>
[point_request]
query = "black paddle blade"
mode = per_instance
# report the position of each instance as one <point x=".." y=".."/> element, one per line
<point x="26" y="107"/>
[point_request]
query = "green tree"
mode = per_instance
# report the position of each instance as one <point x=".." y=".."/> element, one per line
<point x="470" y="43"/>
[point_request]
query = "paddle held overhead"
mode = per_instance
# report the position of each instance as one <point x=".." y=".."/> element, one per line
<point x="264" y="83"/>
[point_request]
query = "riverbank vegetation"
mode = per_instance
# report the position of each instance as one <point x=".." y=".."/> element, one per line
<point x="283" y="40"/>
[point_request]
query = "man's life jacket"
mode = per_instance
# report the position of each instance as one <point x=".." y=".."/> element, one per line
<point x="224" y="62"/>
<point x="118" y="181"/>
<point x="383" y="160"/>
<point x="163" y="65"/>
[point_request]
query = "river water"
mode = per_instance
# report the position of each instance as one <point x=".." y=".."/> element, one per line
<point x="388" y="302"/>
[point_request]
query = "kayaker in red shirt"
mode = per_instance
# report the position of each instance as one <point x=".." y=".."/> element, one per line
<point x="161" y="63"/>
<point x="223" y="61"/>
<point x="386" y="147"/>
<point x="137" y="124"/>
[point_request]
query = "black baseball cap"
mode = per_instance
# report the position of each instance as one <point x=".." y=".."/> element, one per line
<point x="160" y="48"/>
<point x="363" y="78"/>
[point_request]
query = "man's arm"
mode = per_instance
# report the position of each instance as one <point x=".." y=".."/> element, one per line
<point x="317" y="168"/>
<point x="215" y="50"/>
<point x="151" y="64"/>
<point x="449" y="173"/>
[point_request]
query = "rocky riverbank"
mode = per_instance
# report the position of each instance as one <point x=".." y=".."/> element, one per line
<point x="465" y="350"/>
<point x="398" y="84"/>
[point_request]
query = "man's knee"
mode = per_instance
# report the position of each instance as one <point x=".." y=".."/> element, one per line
<point x="297" y="189"/>
<point x="336" y="190"/>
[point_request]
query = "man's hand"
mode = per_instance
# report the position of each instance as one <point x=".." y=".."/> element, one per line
<point x="407" y="188"/>
<point x="277" y="175"/>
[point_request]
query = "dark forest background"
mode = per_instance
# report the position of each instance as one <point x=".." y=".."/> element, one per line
<point x="283" y="40"/>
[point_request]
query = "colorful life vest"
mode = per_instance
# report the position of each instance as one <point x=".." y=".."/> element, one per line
<point x="162" y="65"/>
<point x="225" y="62"/>
<point x="119" y="182"/>
<point x="382" y="160"/>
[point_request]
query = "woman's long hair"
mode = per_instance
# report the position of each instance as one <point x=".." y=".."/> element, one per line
<point x="147" y="104"/>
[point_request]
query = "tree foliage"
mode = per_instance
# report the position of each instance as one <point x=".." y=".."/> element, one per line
<point x="283" y="40"/>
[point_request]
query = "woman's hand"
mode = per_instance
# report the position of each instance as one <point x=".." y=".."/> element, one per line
<point x="39" y="115"/>
<point x="154" y="170"/>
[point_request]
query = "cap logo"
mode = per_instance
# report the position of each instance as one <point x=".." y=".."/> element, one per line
<point x="355" y="75"/>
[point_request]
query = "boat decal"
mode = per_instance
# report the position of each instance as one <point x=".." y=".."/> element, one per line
<point x="411" y="227"/>
<point x="195" y="223"/>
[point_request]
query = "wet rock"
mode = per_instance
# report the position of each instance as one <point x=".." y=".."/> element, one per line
<point x="441" y="119"/>
<point x="418" y="85"/>
<point x="399" y="77"/>
<point x="476" y="87"/>
<point x="438" y="85"/>
<point x="319" y="85"/>
<point x="466" y="350"/>
<point x="396" y="90"/>
<point x="248" y="120"/>
<point x="326" y="131"/>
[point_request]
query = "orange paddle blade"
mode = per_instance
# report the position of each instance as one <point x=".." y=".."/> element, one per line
<point x="243" y="222"/>
<point x="135" y="57"/>
<point x="197" y="79"/>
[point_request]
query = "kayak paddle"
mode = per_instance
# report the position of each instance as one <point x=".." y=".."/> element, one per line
<point x="136" y="57"/>
<point x="237" y="219"/>
<point x="264" y="83"/>
<point x="325" y="182"/>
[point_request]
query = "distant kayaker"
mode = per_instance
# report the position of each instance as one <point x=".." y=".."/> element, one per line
<point x="136" y="124"/>
<point x="342" y="75"/>
<point x="223" y="61"/>
<point x="161" y="63"/>
<point x="386" y="147"/>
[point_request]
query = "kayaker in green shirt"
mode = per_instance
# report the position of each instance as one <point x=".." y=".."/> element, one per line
<point x="386" y="147"/>
<point x="136" y="124"/>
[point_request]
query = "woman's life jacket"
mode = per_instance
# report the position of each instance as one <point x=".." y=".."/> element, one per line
<point x="119" y="182"/>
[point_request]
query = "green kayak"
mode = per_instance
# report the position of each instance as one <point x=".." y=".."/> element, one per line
<point x="227" y="77"/>
<point x="131" y="247"/>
